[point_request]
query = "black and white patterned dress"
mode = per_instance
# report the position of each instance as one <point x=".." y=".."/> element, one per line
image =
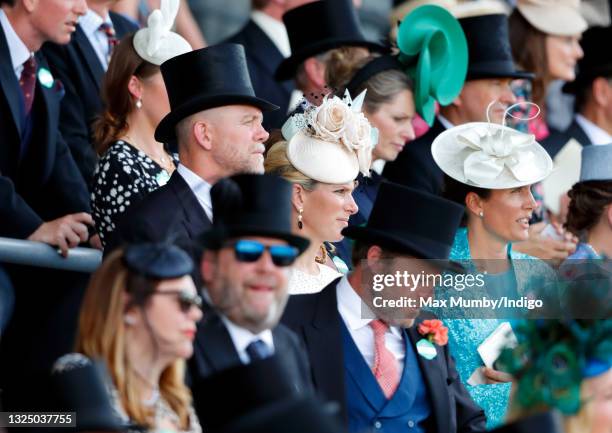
<point x="124" y="176"/>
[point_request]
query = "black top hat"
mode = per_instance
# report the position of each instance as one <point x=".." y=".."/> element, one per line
<point x="220" y="77"/>
<point x="318" y="27"/>
<point x="251" y="205"/>
<point x="489" y="51"/>
<point x="408" y="221"/>
<point x="597" y="60"/>
<point x="254" y="385"/>
<point x="79" y="385"/>
<point x="157" y="260"/>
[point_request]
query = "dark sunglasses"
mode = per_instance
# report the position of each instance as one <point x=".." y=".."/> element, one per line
<point x="185" y="299"/>
<point x="251" y="251"/>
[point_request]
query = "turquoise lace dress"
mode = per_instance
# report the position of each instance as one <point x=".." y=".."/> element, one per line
<point x="465" y="335"/>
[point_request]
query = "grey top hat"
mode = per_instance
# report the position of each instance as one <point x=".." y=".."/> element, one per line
<point x="596" y="163"/>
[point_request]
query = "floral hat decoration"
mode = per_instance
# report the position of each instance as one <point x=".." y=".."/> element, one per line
<point x="490" y="155"/>
<point x="331" y="143"/>
<point x="552" y="359"/>
<point x="157" y="43"/>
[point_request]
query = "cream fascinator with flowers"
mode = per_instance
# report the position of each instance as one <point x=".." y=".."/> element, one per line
<point x="331" y="143"/>
<point x="157" y="43"/>
<point x="492" y="156"/>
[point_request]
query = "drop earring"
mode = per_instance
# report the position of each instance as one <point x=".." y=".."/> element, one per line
<point x="139" y="103"/>
<point x="300" y="224"/>
<point x="481" y="214"/>
<point x="129" y="320"/>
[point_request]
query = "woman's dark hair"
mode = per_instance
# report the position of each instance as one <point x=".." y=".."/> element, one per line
<point x="529" y="52"/>
<point x="457" y="191"/>
<point x="588" y="200"/>
<point x="118" y="101"/>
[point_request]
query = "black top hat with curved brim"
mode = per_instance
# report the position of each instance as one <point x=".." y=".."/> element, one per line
<point x="251" y="205"/>
<point x="411" y="222"/>
<point x="207" y="78"/>
<point x="597" y="59"/>
<point x="317" y="27"/>
<point x="489" y="51"/>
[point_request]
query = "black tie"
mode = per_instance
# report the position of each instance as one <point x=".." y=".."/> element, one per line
<point x="257" y="349"/>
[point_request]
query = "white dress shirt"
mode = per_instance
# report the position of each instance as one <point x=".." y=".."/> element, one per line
<point x="19" y="51"/>
<point x="353" y="310"/>
<point x="199" y="187"/>
<point x="90" y="24"/>
<point x="242" y="337"/>
<point x="596" y="134"/>
<point x="274" y="29"/>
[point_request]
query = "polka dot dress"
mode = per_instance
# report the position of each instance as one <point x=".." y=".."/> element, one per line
<point x="124" y="176"/>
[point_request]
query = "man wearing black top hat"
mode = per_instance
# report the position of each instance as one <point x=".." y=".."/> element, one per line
<point x="490" y="73"/>
<point x="314" y="30"/>
<point x="216" y="120"/>
<point x="245" y="268"/>
<point x="592" y="123"/>
<point x="374" y="361"/>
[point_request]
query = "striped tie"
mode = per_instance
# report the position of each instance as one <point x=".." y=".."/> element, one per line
<point x="111" y="36"/>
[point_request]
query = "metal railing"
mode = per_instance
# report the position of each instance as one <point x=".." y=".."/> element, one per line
<point x="39" y="254"/>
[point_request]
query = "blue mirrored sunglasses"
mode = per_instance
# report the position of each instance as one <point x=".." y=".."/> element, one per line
<point x="251" y="251"/>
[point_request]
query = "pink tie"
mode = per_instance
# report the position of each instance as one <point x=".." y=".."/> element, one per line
<point x="385" y="366"/>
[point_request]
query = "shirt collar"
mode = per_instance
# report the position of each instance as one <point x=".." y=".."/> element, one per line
<point x="445" y="122"/>
<point x="91" y="22"/>
<point x="596" y="134"/>
<point x="199" y="186"/>
<point x="18" y="50"/>
<point x="275" y="30"/>
<point x="242" y="337"/>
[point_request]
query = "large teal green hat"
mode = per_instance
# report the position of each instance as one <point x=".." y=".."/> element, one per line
<point x="433" y="46"/>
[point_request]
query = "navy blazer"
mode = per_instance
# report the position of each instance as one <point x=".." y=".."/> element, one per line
<point x="44" y="183"/>
<point x="415" y="166"/>
<point x="262" y="60"/>
<point x="81" y="73"/>
<point x="315" y="319"/>
<point x="557" y="139"/>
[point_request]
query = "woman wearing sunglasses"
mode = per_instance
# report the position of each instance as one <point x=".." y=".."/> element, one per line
<point x="139" y="315"/>
<point x="326" y="148"/>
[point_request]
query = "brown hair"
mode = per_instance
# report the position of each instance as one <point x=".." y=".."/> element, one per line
<point x="382" y="87"/>
<point x="101" y="335"/>
<point x="588" y="200"/>
<point x="457" y="191"/>
<point x="529" y="52"/>
<point x="118" y="101"/>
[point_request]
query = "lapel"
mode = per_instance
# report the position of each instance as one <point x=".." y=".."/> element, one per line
<point x="9" y="82"/>
<point x="195" y="219"/>
<point x="121" y="25"/>
<point x="575" y="131"/>
<point x="91" y="60"/>
<point x="51" y="111"/>
<point x="437" y="387"/>
<point x="214" y="344"/>
<point x="265" y="52"/>
<point x="323" y="339"/>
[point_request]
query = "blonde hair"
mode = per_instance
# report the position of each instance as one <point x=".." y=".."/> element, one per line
<point x="381" y="87"/>
<point x="101" y="335"/>
<point x="277" y="163"/>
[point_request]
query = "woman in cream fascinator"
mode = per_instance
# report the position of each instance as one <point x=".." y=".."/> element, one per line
<point x="324" y="150"/>
<point x="132" y="163"/>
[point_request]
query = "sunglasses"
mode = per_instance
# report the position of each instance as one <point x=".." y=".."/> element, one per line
<point x="186" y="300"/>
<point x="250" y="251"/>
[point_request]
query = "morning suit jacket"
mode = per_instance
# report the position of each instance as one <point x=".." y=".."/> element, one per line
<point x="315" y="318"/>
<point x="262" y="60"/>
<point x="214" y="351"/>
<point x="415" y="166"/>
<point x="77" y="66"/>
<point x="44" y="183"/>
<point x="170" y="213"/>
<point x="557" y="139"/>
